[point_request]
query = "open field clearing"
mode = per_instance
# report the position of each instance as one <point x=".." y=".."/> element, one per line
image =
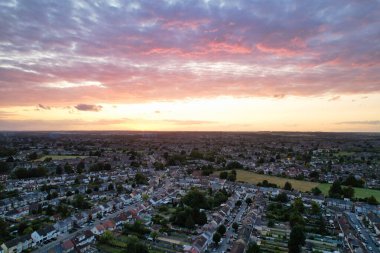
<point x="304" y="186"/>
<point x="255" y="178"/>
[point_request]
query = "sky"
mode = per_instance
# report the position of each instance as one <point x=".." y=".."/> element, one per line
<point x="241" y="65"/>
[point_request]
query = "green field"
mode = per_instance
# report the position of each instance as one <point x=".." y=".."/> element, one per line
<point x="304" y="186"/>
<point x="60" y="157"/>
<point x="359" y="192"/>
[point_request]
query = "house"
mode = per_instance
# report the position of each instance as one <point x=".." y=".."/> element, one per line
<point x="190" y="249"/>
<point x="68" y="247"/>
<point x="64" y="226"/>
<point x="374" y="221"/>
<point x="79" y="219"/>
<point x="105" y="208"/>
<point x="238" y="247"/>
<point x="344" y="204"/>
<point x="18" y="244"/>
<point x="123" y="217"/>
<point x="98" y="230"/>
<point x="126" y="199"/>
<point x="34" y="208"/>
<point x="44" y="234"/>
<point x="120" y="220"/>
<point x="95" y="212"/>
<point x="109" y="225"/>
<point x="83" y="241"/>
<point x="201" y="243"/>
<point x="16" y="214"/>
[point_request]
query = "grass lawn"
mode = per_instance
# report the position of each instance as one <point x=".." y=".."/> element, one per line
<point x="359" y="192"/>
<point x="60" y="157"/>
<point x="304" y="186"/>
<point x="255" y="178"/>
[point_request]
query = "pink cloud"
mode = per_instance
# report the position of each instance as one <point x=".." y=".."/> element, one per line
<point x="162" y="51"/>
<point x="276" y="51"/>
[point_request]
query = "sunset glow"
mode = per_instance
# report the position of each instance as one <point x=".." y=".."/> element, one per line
<point x="190" y="65"/>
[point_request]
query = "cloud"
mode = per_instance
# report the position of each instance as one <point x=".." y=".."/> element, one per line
<point x="88" y="108"/>
<point x="148" y="51"/>
<point x="53" y="125"/>
<point x="65" y="85"/>
<point x="6" y="115"/>
<point x="365" y="122"/>
<point x="334" y="98"/>
<point x="43" y="107"/>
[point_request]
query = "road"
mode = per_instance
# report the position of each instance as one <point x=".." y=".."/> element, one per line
<point x="362" y="231"/>
<point x="227" y="240"/>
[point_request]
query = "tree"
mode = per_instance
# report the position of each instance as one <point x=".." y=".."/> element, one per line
<point x="348" y="192"/>
<point x="106" y="237"/>
<point x="253" y="248"/>
<point x="135" y="246"/>
<point x="4" y="168"/>
<point x="288" y="186"/>
<point x="223" y="175"/>
<point x="21" y="227"/>
<point x="234" y="165"/>
<point x="68" y="169"/>
<point x="216" y="238"/>
<point x="158" y="166"/>
<point x="137" y="228"/>
<point x="119" y="188"/>
<point x="335" y="190"/>
<point x="372" y="200"/>
<point x="221" y="229"/>
<point x="154" y="235"/>
<point x="32" y="156"/>
<point x="202" y="218"/>
<point x="316" y="191"/>
<point x="80" y="202"/>
<point x="315" y="209"/>
<point x="141" y="179"/>
<point x="4" y="230"/>
<point x="145" y="197"/>
<point x="80" y="167"/>
<point x="352" y="181"/>
<point x="298" y="205"/>
<point x="231" y="177"/>
<point x="314" y="174"/>
<point x="196" y="199"/>
<point x="282" y="197"/>
<point x="248" y="201"/>
<point x="296" y="240"/>
<point x="238" y="203"/>
<point x="58" y="170"/>
<point x="295" y="219"/>
<point x="235" y="226"/>
<point x="190" y="222"/>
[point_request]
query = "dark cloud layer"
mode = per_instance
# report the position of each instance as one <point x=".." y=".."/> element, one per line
<point x="88" y="108"/>
<point x="128" y="51"/>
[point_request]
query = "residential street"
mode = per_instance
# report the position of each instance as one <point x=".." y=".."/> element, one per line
<point x="64" y="237"/>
